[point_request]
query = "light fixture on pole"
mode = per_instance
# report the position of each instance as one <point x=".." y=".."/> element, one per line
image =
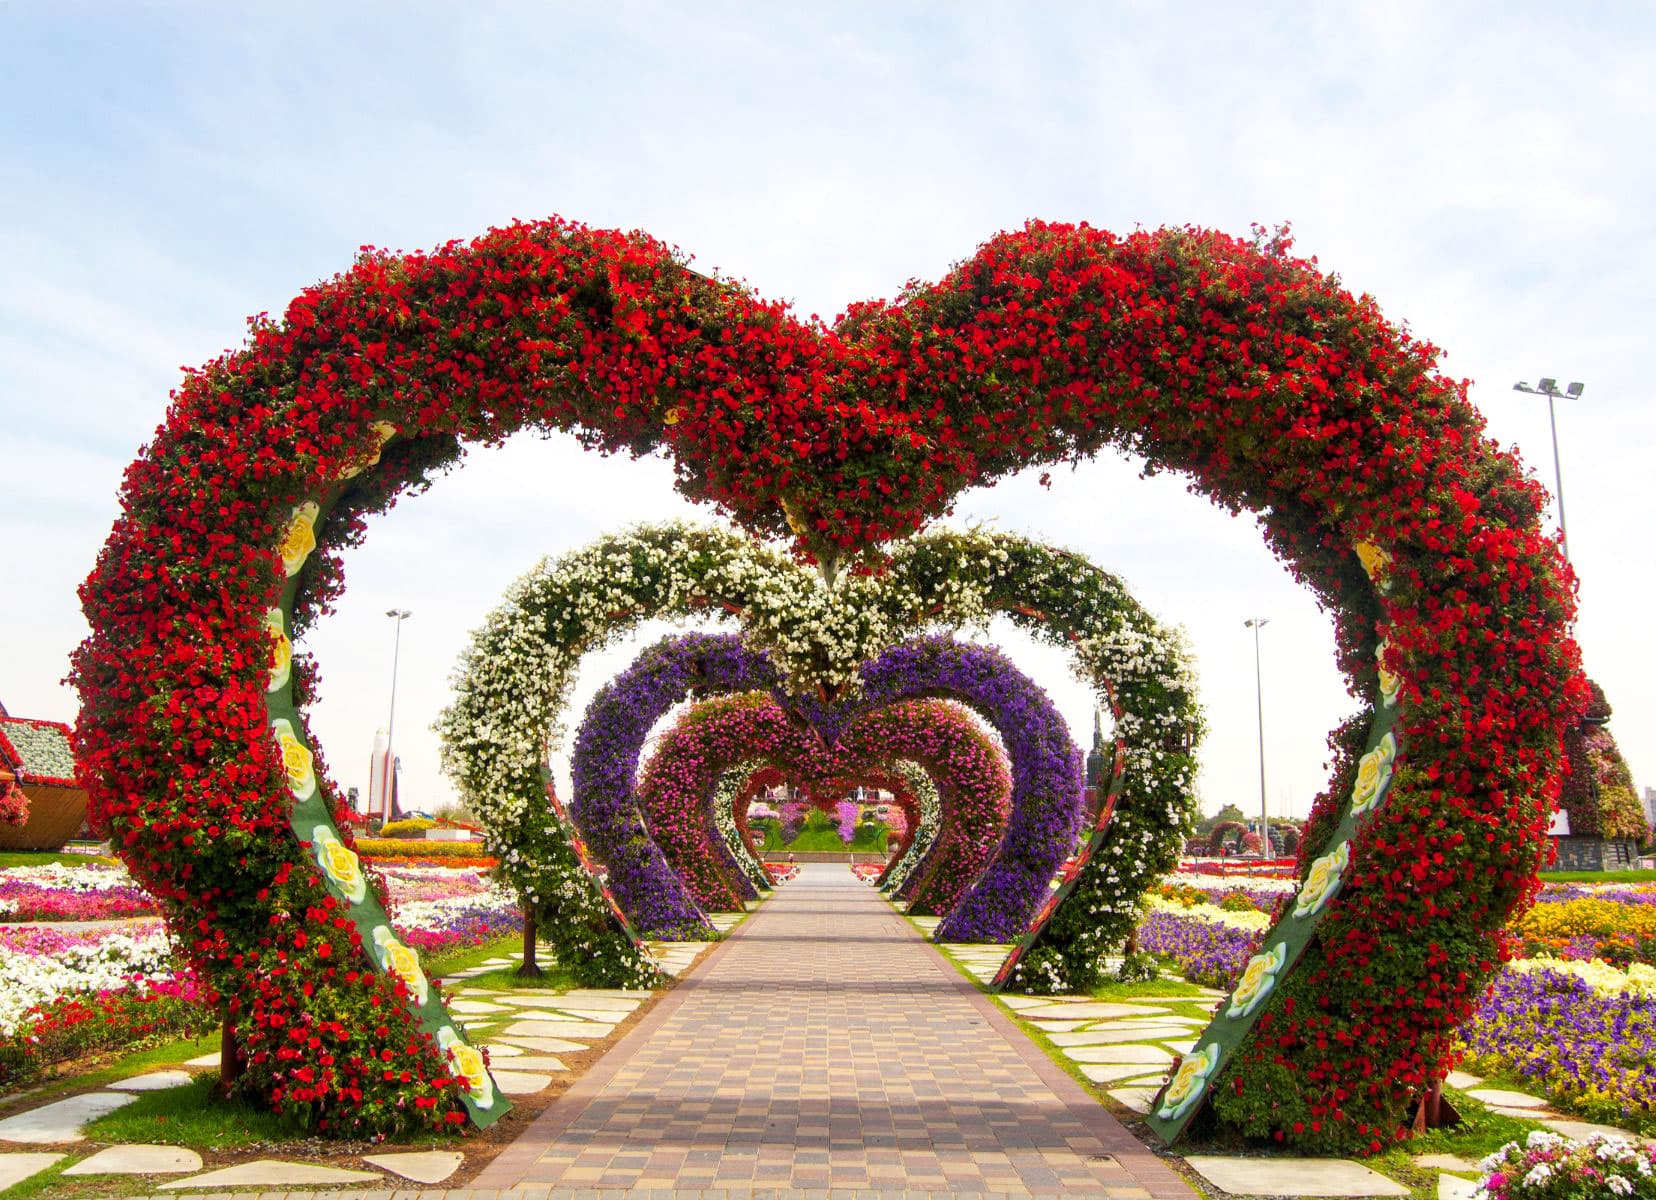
<point x="399" y="615"/>
<point x="1549" y="389"/>
<point x="1256" y="624"/>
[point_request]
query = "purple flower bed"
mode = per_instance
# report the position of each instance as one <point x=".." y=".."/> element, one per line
<point x="471" y="925"/>
<point x="1207" y="952"/>
<point x="1594" y="1054"/>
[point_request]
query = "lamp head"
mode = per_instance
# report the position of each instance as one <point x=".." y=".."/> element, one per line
<point x="1575" y="389"/>
<point x="1547" y="385"/>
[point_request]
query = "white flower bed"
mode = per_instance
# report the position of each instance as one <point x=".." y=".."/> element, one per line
<point x="1599" y="975"/>
<point x="1219" y="883"/>
<point x="89" y="878"/>
<point x="106" y="965"/>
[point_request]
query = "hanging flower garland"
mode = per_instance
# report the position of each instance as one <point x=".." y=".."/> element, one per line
<point x="700" y="748"/>
<point x="1250" y="371"/>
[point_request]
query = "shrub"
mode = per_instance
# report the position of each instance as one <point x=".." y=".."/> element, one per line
<point x="406" y="827"/>
<point x="407" y="848"/>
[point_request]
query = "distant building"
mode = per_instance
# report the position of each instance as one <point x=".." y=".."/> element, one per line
<point x="1098" y="771"/>
<point x="37" y="764"/>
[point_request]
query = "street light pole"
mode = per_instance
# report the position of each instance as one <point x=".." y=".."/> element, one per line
<point x="1256" y="624"/>
<point x="399" y="615"/>
<point x="1549" y="389"/>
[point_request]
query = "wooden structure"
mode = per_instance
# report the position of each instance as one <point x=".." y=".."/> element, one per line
<point x="38" y="758"/>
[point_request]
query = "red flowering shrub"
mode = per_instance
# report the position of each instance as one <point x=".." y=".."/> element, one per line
<point x="1262" y="379"/>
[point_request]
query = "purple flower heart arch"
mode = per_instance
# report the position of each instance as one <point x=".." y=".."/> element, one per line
<point x="1261" y="378"/>
<point x="1045" y="769"/>
<point x="676" y="788"/>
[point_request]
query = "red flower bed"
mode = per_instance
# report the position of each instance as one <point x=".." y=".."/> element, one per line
<point x="1262" y="379"/>
<point x="79" y="1024"/>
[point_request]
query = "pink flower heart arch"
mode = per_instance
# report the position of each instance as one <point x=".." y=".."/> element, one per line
<point x="1261" y="379"/>
<point x="676" y="786"/>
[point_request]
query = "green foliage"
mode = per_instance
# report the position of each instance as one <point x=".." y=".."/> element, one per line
<point x="31" y="858"/>
<point x="407" y="827"/>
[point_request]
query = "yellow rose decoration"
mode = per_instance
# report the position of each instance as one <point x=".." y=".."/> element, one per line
<point x="468" y="1062"/>
<point x="296" y="760"/>
<point x="300" y="538"/>
<point x="1188" y="1082"/>
<point x="1374" y="772"/>
<point x="384" y="431"/>
<point x="282" y="665"/>
<point x="1323" y="881"/>
<point x="339" y="863"/>
<point x="1391" y="683"/>
<point x="1258" y="980"/>
<point x="401" y="961"/>
<point x="1376" y="562"/>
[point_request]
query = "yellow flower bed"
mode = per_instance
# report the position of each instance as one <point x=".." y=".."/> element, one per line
<point x="418" y="848"/>
<point x="1600" y="918"/>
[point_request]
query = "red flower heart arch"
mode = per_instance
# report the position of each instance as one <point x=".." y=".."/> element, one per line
<point x="1260" y="378"/>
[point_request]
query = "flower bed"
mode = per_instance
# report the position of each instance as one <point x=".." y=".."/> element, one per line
<point x="1550" y="1167"/>
<point x="57" y="892"/>
<point x="412" y="850"/>
<point x="1207" y="952"/>
<point x="1616" y="923"/>
<point x="66" y="991"/>
<point x="63" y="993"/>
<point x="1583" y="1031"/>
<point x="68" y="1026"/>
<point x="1592" y="1053"/>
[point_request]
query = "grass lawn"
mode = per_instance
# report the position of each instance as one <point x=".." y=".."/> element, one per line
<point x="192" y="1116"/>
<point x="1598" y="876"/>
<point x="35" y="858"/>
<point x="447" y="962"/>
<point x="556" y="977"/>
<point x="107" y="1067"/>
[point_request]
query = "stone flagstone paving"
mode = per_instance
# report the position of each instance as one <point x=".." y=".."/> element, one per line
<point x="825" y="1045"/>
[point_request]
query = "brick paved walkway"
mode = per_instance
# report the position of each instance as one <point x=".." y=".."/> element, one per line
<point x="825" y="1045"/>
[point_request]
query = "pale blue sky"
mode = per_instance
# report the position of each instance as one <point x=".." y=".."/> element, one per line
<point x="166" y="170"/>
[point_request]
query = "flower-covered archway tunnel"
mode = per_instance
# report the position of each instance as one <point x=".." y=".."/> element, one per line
<point x="1045" y="793"/>
<point x="1248" y="370"/>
